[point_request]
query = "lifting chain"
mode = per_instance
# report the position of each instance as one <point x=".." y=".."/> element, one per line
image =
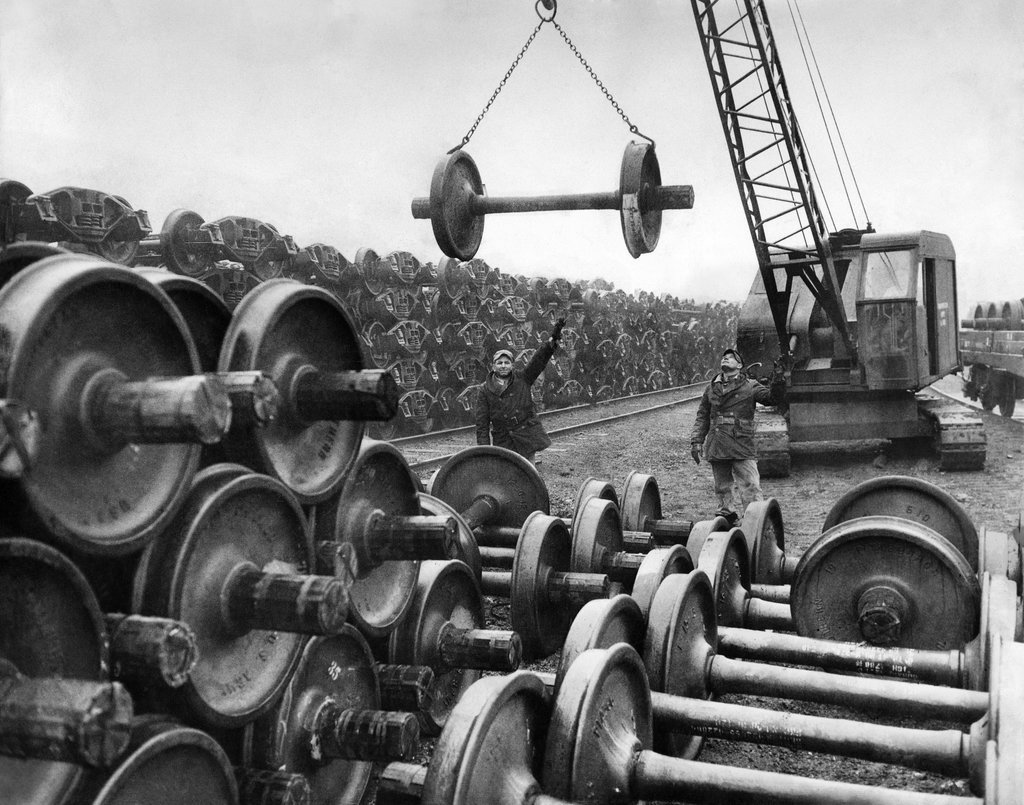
<point x="551" y="6"/>
<point x="600" y="85"/>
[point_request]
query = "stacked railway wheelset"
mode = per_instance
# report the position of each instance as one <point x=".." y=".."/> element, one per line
<point x="210" y="583"/>
<point x="434" y="327"/>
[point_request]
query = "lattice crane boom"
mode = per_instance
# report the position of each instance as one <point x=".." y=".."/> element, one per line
<point x="768" y="159"/>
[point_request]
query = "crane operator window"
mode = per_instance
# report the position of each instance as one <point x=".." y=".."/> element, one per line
<point x="889" y="275"/>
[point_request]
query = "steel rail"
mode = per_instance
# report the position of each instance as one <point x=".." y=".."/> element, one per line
<point x="593" y="423"/>
<point x="435" y="434"/>
<point x="569" y="429"/>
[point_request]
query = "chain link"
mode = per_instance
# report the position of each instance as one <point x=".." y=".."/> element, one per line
<point x="600" y="84"/>
<point x="501" y="85"/>
<point x="522" y="52"/>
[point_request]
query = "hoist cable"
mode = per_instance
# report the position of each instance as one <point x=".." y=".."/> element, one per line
<point x="835" y="122"/>
<point x="821" y="111"/>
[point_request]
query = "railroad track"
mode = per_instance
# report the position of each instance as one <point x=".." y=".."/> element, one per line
<point x="429" y="450"/>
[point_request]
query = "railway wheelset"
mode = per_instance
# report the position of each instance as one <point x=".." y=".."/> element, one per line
<point x="902" y="593"/>
<point x="214" y="589"/>
<point x="433" y="327"/>
<point x="211" y="586"/>
<point x="880" y="573"/>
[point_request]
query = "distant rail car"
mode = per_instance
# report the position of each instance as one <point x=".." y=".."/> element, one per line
<point x="992" y="353"/>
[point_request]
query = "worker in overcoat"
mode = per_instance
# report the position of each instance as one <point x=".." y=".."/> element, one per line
<point x="504" y="406"/>
<point x="723" y="433"/>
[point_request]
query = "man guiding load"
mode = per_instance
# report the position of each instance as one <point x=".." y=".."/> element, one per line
<point x="723" y="432"/>
<point x="504" y="405"/>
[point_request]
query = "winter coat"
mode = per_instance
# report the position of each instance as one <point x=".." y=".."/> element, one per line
<point x="507" y="414"/>
<point x="726" y="418"/>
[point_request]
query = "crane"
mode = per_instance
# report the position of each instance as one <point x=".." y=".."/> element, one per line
<point x="859" y="322"/>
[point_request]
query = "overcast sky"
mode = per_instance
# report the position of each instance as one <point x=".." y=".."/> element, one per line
<point x="326" y="119"/>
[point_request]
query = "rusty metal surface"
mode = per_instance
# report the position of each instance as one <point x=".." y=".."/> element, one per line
<point x="888" y="581"/>
<point x="544" y="548"/>
<point x="490" y="750"/>
<point x="50" y="625"/>
<point x="911" y="499"/>
<point x="445" y="593"/>
<point x="601" y="624"/>
<point x="641" y="501"/>
<point x="336" y="667"/>
<point x="166" y="765"/>
<point x="109" y="499"/>
<point x="641" y="220"/>
<point x="285" y="329"/>
<point x="380" y="478"/>
<point x="484" y="470"/>
<point x="766" y="542"/>
<point x="229" y="520"/>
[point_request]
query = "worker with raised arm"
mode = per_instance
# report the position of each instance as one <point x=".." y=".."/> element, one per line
<point x="504" y="405"/>
<point x="723" y="432"/>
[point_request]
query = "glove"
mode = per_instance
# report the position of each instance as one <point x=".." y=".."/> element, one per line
<point x="777" y="384"/>
<point x="697" y="452"/>
<point x="777" y="387"/>
<point x="556" y="334"/>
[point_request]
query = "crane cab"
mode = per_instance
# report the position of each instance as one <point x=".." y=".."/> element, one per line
<point x="902" y="289"/>
<point x="899" y="297"/>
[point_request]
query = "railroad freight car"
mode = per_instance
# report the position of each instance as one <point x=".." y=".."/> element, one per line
<point x="992" y="352"/>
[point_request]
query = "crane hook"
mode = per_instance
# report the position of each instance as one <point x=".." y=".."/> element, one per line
<point x="550" y="5"/>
